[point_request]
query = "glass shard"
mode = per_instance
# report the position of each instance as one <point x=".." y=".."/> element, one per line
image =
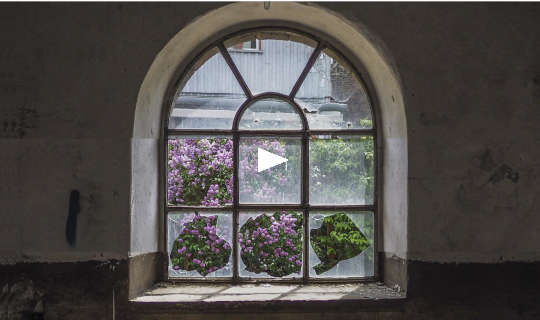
<point x="200" y="244"/>
<point x="271" y="244"/>
<point x="341" y="244"/>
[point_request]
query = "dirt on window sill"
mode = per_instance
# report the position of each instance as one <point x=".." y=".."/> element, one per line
<point x="166" y="297"/>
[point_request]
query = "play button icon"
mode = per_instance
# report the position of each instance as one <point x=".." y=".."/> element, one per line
<point x="267" y="160"/>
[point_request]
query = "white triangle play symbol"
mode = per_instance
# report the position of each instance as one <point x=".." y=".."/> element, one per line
<point x="267" y="160"/>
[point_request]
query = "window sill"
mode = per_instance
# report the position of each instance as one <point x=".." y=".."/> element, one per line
<point x="165" y="297"/>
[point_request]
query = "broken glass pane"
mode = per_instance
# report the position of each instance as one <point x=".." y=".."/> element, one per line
<point x="270" y="244"/>
<point x="341" y="244"/>
<point x="199" y="244"/>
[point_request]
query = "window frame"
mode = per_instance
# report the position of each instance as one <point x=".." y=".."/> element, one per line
<point x="257" y="49"/>
<point x="305" y="133"/>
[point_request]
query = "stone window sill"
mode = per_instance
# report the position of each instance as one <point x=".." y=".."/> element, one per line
<point x="166" y="297"/>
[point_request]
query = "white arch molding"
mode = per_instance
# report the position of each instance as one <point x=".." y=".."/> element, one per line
<point x="155" y="94"/>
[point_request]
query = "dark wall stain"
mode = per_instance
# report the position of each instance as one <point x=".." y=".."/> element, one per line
<point x="21" y="299"/>
<point x="485" y="161"/>
<point x="16" y="124"/>
<point x="536" y="84"/>
<point x="433" y="119"/>
<point x="65" y="290"/>
<point x="504" y="172"/>
<point x="71" y="223"/>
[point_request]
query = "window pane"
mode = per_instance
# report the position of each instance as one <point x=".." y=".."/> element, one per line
<point x="261" y="179"/>
<point x="200" y="171"/>
<point x="270" y="114"/>
<point x="200" y="245"/>
<point x="210" y="97"/>
<point x="334" y="96"/>
<point x="270" y="244"/>
<point x="341" y="244"/>
<point x="341" y="170"/>
<point x="278" y="64"/>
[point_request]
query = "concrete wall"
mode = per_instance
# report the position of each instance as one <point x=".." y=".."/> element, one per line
<point x="70" y="75"/>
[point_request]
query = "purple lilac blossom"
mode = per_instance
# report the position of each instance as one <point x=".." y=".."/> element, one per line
<point x="277" y="239"/>
<point x="200" y="171"/>
<point x="199" y="246"/>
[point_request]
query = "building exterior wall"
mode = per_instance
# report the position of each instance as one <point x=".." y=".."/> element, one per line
<point x="260" y="71"/>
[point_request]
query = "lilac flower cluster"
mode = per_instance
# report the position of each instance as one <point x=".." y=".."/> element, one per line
<point x="272" y="244"/>
<point x="198" y="247"/>
<point x="265" y="186"/>
<point x="200" y="171"/>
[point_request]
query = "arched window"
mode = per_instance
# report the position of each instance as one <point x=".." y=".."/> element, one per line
<point x="271" y="164"/>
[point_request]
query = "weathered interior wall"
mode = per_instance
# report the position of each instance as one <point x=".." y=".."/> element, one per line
<point x="71" y="74"/>
<point x="69" y="80"/>
<point x="472" y="80"/>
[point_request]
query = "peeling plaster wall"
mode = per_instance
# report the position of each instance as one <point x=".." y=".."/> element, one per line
<point x="70" y="75"/>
